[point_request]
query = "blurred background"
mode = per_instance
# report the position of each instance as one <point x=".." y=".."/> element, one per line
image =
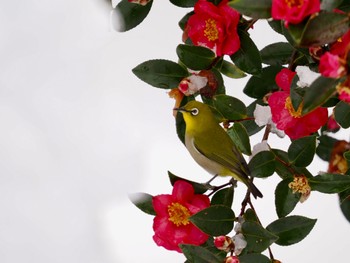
<point x="79" y="132"/>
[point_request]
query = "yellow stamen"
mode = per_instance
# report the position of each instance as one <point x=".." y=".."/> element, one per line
<point x="178" y="214"/>
<point x="340" y="163"/>
<point x="211" y="31"/>
<point x="300" y="185"/>
<point x="289" y="106"/>
<point x="294" y="3"/>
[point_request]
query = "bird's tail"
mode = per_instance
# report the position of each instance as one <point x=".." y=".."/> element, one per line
<point x="254" y="190"/>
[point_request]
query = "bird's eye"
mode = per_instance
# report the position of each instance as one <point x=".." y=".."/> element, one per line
<point x="194" y="111"/>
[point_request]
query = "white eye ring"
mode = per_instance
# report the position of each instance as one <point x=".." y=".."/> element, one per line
<point x="194" y="111"/>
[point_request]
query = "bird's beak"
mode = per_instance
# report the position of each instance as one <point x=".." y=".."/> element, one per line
<point x="180" y="109"/>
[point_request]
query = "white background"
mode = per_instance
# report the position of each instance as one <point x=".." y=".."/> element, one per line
<point x="79" y="132"/>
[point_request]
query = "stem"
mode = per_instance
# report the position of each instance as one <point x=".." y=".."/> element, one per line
<point x="214" y="189"/>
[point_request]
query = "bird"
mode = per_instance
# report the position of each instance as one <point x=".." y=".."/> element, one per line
<point x="211" y="147"/>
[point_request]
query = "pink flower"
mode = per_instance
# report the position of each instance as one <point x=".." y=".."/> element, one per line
<point x="294" y="11"/>
<point x="224" y="243"/>
<point x="232" y="259"/>
<point x="330" y="66"/>
<point x="344" y="92"/>
<point x="171" y="224"/>
<point x="286" y="117"/>
<point x="214" y="27"/>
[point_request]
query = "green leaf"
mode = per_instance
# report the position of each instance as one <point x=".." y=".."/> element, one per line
<point x="229" y="107"/>
<point x="262" y="164"/>
<point x="254" y="258"/>
<point x="223" y="197"/>
<point x="330" y="183"/>
<point x="291" y="230"/>
<point x="198" y="188"/>
<point x="198" y="254"/>
<point x="215" y="220"/>
<point x="230" y="70"/>
<point x="184" y="3"/>
<point x="130" y="14"/>
<point x="160" y="73"/>
<point x="330" y="5"/>
<point x="143" y="201"/>
<point x="285" y="200"/>
<point x="253" y="8"/>
<point x="345" y="203"/>
<point x="247" y="58"/>
<point x="240" y="138"/>
<point x="258" y="238"/>
<point x="342" y="114"/>
<point x="318" y="93"/>
<point x="301" y="151"/>
<point x="283" y="168"/>
<point x="258" y="86"/>
<point x="195" y="57"/>
<point x="325" y="146"/>
<point x="277" y="53"/>
<point x="322" y="29"/>
<point x="250" y="215"/>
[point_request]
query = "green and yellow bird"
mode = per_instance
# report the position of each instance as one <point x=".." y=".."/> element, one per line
<point x="211" y="147"/>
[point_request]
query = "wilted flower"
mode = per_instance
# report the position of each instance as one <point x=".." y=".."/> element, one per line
<point x="178" y="96"/>
<point x="192" y="84"/>
<point x="300" y="185"/>
<point x="337" y="162"/>
<point x="214" y="27"/>
<point x="288" y="119"/>
<point x="294" y="11"/>
<point x="224" y="243"/>
<point x="171" y="224"/>
<point x="140" y="2"/>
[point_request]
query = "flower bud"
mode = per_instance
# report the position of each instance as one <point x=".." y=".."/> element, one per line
<point x="224" y="243"/>
<point x="231" y="259"/>
<point x="140" y="2"/>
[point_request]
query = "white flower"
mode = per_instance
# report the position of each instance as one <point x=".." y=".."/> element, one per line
<point x="306" y="76"/>
<point x="192" y="84"/>
<point x="263" y="116"/>
<point x="240" y="243"/>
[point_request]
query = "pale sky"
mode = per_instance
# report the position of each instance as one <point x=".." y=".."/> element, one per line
<point x="79" y="132"/>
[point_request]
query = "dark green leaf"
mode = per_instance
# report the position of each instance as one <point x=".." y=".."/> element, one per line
<point x="143" y="201"/>
<point x="230" y="70"/>
<point x="258" y="238"/>
<point x="301" y="151"/>
<point x="282" y="164"/>
<point x="198" y="188"/>
<point x="247" y="58"/>
<point x="318" y="93"/>
<point x="258" y="86"/>
<point x="198" y="254"/>
<point x="262" y="164"/>
<point x="183" y="22"/>
<point x="254" y="258"/>
<point x="240" y="137"/>
<point x="215" y="220"/>
<point x="184" y="3"/>
<point x="160" y="73"/>
<point x="229" y="107"/>
<point x="330" y="183"/>
<point x="285" y="200"/>
<point x="223" y="197"/>
<point x="323" y="29"/>
<point x="276" y="25"/>
<point x="130" y="15"/>
<point x="250" y="215"/>
<point x="292" y="229"/>
<point x="345" y="203"/>
<point x="195" y="57"/>
<point x="342" y="114"/>
<point x="330" y="5"/>
<point x="277" y="53"/>
<point x="253" y="8"/>
<point x="325" y="146"/>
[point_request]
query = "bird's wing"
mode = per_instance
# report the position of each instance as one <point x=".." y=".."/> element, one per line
<point x="232" y="160"/>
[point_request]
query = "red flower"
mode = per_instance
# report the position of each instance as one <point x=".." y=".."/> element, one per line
<point x="331" y="66"/>
<point x="171" y="224"/>
<point x="294" y="11"/>
<point x="286" y="117"/>
<point x="214" y="27"/>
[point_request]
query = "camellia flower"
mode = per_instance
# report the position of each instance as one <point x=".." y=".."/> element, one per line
<point x="214" y="27"/>
<point x="294" y="11"/>
<point x="231" y="259"/>
<point x="192" y="84"/>
<point x="337" y="162"/>
<point x="331" y="66"/>
<point x="224" y="243"/>
<point x="171" y="224"/>
<point x="344" y="92"/>
<point x="286" y="117"/>
<point x="300" y="185"/>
